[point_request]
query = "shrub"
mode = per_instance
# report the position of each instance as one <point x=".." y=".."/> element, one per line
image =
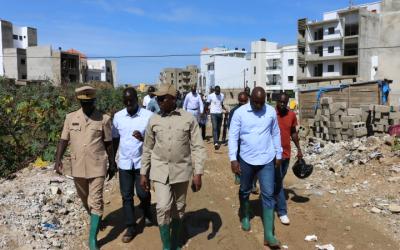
<point x="31" y="120"/>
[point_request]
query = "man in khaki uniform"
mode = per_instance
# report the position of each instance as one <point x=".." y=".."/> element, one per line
<point x="171" y="137"/>
<point x="88" y="132"/>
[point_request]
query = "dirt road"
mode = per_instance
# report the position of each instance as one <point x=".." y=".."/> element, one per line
<point x="212" y="220"/>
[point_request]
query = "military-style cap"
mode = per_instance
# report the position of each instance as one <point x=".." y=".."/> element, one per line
<point x="85" y="93"/>
<point x="166" y="89"/>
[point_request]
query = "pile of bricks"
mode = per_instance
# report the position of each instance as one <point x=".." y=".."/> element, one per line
<point x="333" y="121"/>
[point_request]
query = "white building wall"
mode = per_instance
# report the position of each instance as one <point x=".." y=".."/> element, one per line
<point x="289" y="52"/>
<point x="22" y="33"/>
<point x="97" y="69"/>
<point x="337" y="46"/>
<point x="337" y="68"/>
<point x="230" y="72"/>
<point x="338" y="30"/>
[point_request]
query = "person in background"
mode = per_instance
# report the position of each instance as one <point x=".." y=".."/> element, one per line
<point x="203" y="119"/>
<point x="247" y="91"/>
<point x="216" y="103"/>
<point x="242" y="100"/>
<point x="153" y="105"/>
<point x="89" y="134"/>
<point x="287" y="124"/>
<point x="254" y="126"/>
<point x="149" y="96"/>
<point x="128" y="130"/>
<point x="193" y="103"/>
<point x="179" y="102"/>
<point x="172" y="137"/>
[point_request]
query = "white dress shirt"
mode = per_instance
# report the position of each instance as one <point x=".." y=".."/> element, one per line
<point x="193" y="102"/>
<point x="130" y="149"/>
<point x="215" y="103"/>
<point x="146" y="100"/>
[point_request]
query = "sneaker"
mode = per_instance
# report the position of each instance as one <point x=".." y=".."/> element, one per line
<point x="129" y="234"/>
<point x="284" y="219"/>
<point x="216" y="146"/>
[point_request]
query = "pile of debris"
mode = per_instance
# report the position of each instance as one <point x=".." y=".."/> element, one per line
<point x="335" y="122"/>
<point x="40" y="211"/>
<point x="339" y="157"/>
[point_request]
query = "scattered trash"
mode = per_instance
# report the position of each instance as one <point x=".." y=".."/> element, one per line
<point x="312" y="237"/>
<point x="40" y="163"/>
<point x="285" y="247"/>
<point x="325" y="247"/>
<point x="49" y="226"/>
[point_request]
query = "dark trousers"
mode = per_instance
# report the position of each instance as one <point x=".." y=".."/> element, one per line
<point x="281" y="206"/>
<point x="216" y="121"/>
<point x="203" y="130"/>
<point x="128" y="179"/>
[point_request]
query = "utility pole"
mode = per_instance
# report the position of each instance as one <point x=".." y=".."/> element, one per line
<point x="350" y="4"/>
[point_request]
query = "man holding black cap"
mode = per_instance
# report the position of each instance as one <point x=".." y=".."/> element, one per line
<point x="172" y="137"/>
<point x="89" y="134"/>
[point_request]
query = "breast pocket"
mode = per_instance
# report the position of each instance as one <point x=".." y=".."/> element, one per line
<point x="96" y="130"/>
<point x="74" y="128"/>
<point x="182" y="133"/>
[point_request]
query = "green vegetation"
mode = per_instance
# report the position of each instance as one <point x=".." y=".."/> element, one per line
<point x="31" y="120"/>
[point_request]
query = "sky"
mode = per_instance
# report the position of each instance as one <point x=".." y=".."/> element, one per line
<point x="148" y="27"/>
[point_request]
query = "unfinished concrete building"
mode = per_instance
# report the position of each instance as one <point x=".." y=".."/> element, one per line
<point x="359" y="43"/>
<point x="182" y="78"/>
<point x="13" y="42"/>
<point x="56" y="66"/>
<point x="334" y="48"/>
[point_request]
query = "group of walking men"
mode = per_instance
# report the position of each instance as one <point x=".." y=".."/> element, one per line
<point x="159" y="147"/>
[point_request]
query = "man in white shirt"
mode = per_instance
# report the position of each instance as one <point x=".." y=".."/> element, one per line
<point x="128" y="130"/>
<point x="216" y="102"/>
<point x="149" y="96"/>
<point x="193" y="103"/>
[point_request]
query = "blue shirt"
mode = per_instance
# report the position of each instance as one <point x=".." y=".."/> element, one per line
<point x="130" y="149"/>
<point x="259" y="135"/>
<point x="153" y="106"/>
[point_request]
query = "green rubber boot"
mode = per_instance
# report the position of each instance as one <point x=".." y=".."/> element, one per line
<point x="268" y="222"/>
<point x="176" y="232"/>
<point x="237" y="179"/>
<point x="245" y="209"/>
<point x="165" y="236"/>
<point x="94" y="229"/>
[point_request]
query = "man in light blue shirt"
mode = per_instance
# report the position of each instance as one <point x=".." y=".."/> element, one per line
<point x="128" y="130"/>
<point x="255" y="125"/>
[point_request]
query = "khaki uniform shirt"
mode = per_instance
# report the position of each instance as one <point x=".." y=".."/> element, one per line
<point x="88" y="153"/>
<point x="169" y="142"/>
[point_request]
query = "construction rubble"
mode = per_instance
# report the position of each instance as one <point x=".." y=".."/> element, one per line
<point x="41" y="211"/>
<point x="334" y="121"/>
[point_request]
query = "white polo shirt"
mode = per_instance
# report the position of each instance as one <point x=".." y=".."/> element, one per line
<point x="146" y="100"/>
<point x="130" y="149"/>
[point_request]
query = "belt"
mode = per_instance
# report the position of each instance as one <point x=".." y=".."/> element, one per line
<point x="194" y="109"/>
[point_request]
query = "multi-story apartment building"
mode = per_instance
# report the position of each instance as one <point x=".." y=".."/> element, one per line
<point x="340" y="46"/>
<point x="101" y="70"/>
<point x="273" y="67"/>
<point x="227" y="68"/>
<point x="13" y="42"/>
<point x="182" y="78"/>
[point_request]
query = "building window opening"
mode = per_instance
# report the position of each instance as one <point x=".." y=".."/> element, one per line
<point x="331" y="68"/>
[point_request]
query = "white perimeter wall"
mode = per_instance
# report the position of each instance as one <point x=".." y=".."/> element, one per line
<point x="229" y="71"/>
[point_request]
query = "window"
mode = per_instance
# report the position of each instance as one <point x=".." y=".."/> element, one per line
<point x="172" y="74"/>
<point x="331" y="30"/>
<point x="15" y="37"/>
<point x="291" y="62"/>
<point x="255" y="55"/>
<point x="20" y="38"/>
<point x="255" y="84"/>
<point x="23" y="61"/>
<point x="172" y="81"/>
<point x="24" y="36"/>
<point x="331" y="68"/>
<point x="290" y="78"/>
<point x="255" y="70"/>
<point x="331" y="49"/>
<point x="23" y="77"/>
<point x="108" y="69"/>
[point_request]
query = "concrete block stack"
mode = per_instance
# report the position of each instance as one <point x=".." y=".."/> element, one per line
<point x="333" y="121"/>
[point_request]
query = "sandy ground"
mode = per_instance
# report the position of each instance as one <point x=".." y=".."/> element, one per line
<point x="212" y="221"/>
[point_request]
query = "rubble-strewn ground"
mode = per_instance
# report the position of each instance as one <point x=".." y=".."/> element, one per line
<point x="349" y="201"/>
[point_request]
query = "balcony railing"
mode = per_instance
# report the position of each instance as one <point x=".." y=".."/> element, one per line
<point x="274" y="68"/>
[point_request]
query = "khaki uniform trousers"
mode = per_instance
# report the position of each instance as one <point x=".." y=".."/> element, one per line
<point x="171" y="201"/>
<point x="91" y="193"/>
